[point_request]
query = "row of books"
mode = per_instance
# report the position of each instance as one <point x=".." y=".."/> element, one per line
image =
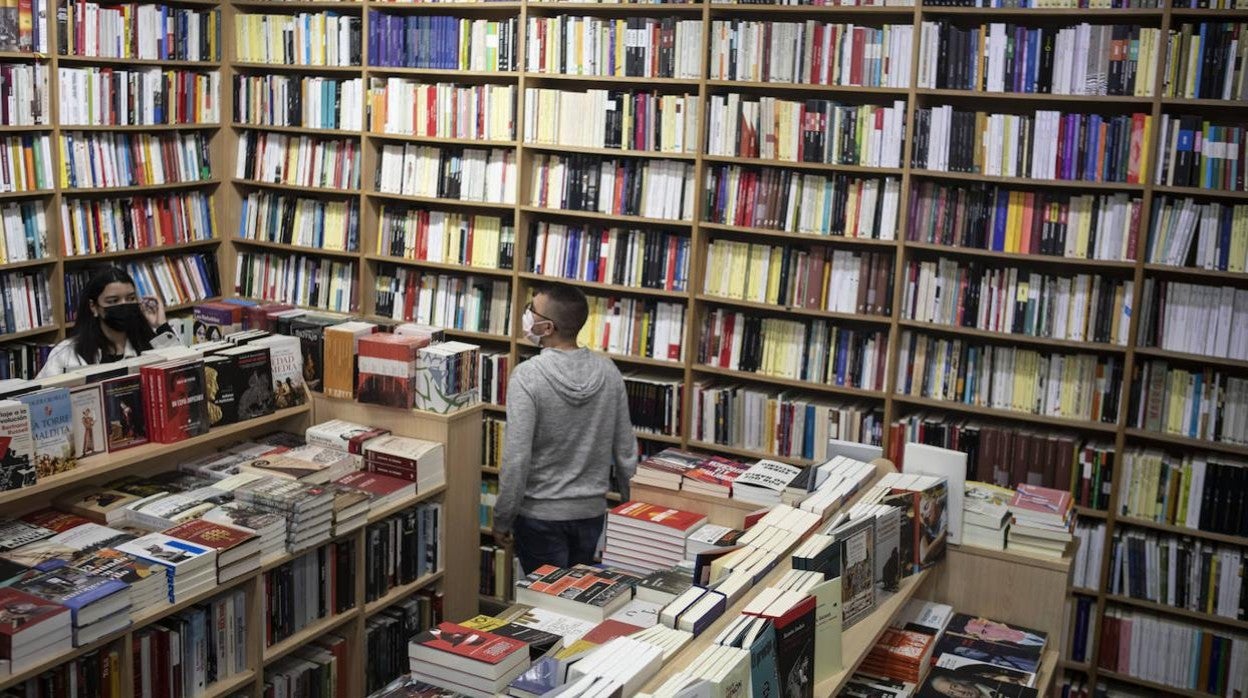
<point x="306" y="38"/>
<point x="464" y="174"/>
<point x="643" y="327"/>
<point x="312" y="281"/>
<point x="1194" y="318"/>
<point x="471" y="303"/>
<point x="23" y="359"/>
<point x="94" y="225"/>
<point x="1047" y="145"/>
<point x="1179" y="572"/>
<point x="645" y="47"/>
<point x="1210" y="235"/>
<point x="1010" y="378"/>
<point x="308" y="101"/>
<point x="791" y="427"/>
<point x="304" y="161"/>
<point x="816" y="277"/>
<point x="441" y="110"/>
<point x="811" y="52"/>
<point x="24" y="97"/>
<point x="290" y="219"/>
<point x="1086" y="571"/>
<point x="814" y="351"/>
<point x="494" y="372"/>
<point x="838" y="205"/>
<point x="92" y="160"/>
<point x="1204" y="660"/>
<point x="1079" y="308"/>
<point x="1195" y="403"/>
<point x="631" y="187"/>
<point x="386" y="635"/>
<point x="822" y="131"/>
<point x="1081" y="639"/>
<point x="444" y="237"/>
<point x="23" y="34"/>
<point x="25" y="231"/>
<point x="1193" y="151"/>
<point x="319" y="665"/>
<point x="442" y="43"/>
<point x="315" y="585"/>
<point x="608" y="255"/>
<point x="27" y="303"/>
<point x="597" y="118"/>
<point x="1007" y="457"/>
<point x="106" y="96"/>
<point x="984" y="216"/>
<point x="493" y="428"/>
<point x="1084" y="59"/>
<point x="1194" y="491"/>
<point x="142" y="31"/>
<point x="656" y="405"/>
<point x="186" y="653"/>
<point x="95" y="673"/>
<point x="402" y="549"/>
<point x="178" y="279"/>
<point x="1207" y="62"/>
<point x="25" y="163"/>
<point x="495" y="570"/>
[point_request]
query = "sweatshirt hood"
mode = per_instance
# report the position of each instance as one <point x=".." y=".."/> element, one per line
<point x="575" y="375"/>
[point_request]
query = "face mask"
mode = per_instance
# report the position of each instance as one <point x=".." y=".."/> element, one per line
<point x="526" y="324"/>
<point x="124" y="317"/>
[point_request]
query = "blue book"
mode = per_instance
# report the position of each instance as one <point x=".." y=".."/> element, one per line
<point x="78" y="591"/>
<point x="51" y="425"/>
<point x="998" y="222"/>
<point x="764" y="669"/>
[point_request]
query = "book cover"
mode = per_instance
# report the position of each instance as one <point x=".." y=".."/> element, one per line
<point x="479" y="648"/>
<point x="660" y="518"/>
<point x="717" y="472"/>
<point x="88" y="420"/>
<point x="387" y="369"/>
<point x="286" y="366"/>
<point x="310" y="330"/>
<point x="71" y="587"/>
<point x="214" y="320"/>
<point x="123" y="410"/>
<point x="345" y="436"/>
<point x="446" y="377"/>
<point x="17" y="444"/>
<point x="540" y="642"/>
<point x="764" y="666"/>
<point x="54" y="520"/>
<point x="982" y="628"/>
<point x="1004" y="655"/>
<point x="113" y="563"/>
<point x="15" y="533"/>
<point x="950" y="661"/>
<point x="252" y="374"/>
<point x="1041" y="504"/>
<point x="50" y="425"/>
<point x="970" y="680"/>
<point x="219" y="537"/>
<point x="167" y="550"/>
<point x="183" y="401"/>
<point x="341" y="343"/>
<point x="795" y="650"/>
<point x="21" y="612"/>
<point x="219" y="385"/>
<point x="856" y="540"/>
<point x="765" y="480"/>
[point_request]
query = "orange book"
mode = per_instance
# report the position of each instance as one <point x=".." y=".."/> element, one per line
<point x="338" y="362"/>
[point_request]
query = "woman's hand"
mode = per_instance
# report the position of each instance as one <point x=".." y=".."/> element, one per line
<point x="153" y="310"/>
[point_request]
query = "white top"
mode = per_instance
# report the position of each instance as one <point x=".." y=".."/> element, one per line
<point x="64" y="356"/>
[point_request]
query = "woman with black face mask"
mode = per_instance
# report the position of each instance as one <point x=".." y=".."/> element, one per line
<point x="112" y="323"/>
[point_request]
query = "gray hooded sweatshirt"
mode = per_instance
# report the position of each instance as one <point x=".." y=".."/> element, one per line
<point x="567" y="425"/>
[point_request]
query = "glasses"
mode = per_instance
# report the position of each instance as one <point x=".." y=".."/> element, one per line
<point x="529" y="308"/>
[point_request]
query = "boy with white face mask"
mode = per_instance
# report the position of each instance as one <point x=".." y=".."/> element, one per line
<point x="567" y="427"/>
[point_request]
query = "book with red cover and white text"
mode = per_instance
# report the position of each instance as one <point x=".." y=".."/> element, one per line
<point x="475" y="652"/>
<point x="655" y="519"/>
<point x="714" y="476"/>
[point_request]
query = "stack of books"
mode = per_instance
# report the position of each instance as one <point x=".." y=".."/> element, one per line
<point x="268" y="527"/>
<point x="383" y="491"/>
<point x="351" y="508"/>
<point x="191" y="568"/>
<point x="97" y="605"/>
<point x="238" y="551"/>
<point x="149" y="582"/>
<point x="586" y="593"/>
<point x="1043" y="521"/>
<point x="714" y="476"/>
<point x="969" y="642"/>
<point x="901" y="654"/>
<point x="766" y="483"/>
<point x="986" y="515"/>
<point x="32" y="630"/>
<point x="308" y="509"/>
<point x="414" y="460"/>
<point x="473" y="662"/>
<point x="647" y="538"/>
<point x="666" y="469"/>
<point x="710" y="537"/>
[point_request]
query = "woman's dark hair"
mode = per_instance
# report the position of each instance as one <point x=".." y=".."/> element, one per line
<point x="89" y="337"/>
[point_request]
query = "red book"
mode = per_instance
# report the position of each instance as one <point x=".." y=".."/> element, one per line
<point x="655" y="519"/>
<point x="31" y="622"/>
<point x="608" y="630"/>
<point x="232" y="544"/>
<point x="717" y="473"/>
<point x="387" y="369"/>
<point x="1041" y="505"/>
<point x="474" y="652"/>
<point x="384" y="489"/>
<point x="54" y="520"/>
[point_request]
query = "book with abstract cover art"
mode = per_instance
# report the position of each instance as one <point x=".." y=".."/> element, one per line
<point x="17" y="446"/>
<point x="87" y="402"/>
<point x="123" y="410"/>
<point x="50" y="416"/>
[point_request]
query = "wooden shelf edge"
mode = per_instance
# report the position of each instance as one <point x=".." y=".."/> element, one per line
<point x="1186" y="614"/>
<point x="317" y="628"/>
<point x="1181" y="530"/>
<point x="397" y="594"/>
<point x="229" y="685"/>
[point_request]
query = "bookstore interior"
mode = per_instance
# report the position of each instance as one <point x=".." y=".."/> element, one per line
<point x="268" y="267"/>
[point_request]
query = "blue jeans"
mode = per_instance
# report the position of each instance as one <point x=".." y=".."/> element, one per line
<point x="558" y="543"/>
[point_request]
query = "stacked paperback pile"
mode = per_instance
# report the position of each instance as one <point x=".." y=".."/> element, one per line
<point x="646" y="538"/>
<point x="986" y="515"/>
<point x="713" y="476"/>
<point x="766" y="483"/>
<point x="238" y="551"/>
<point x="1043" y="521"/>
<point x="308" y="509"/>
<point x="191" y="568"/>
<point x="666" y="469"/>
<point x="473" y="662"/>
<point x="97" y="605"/>
<point x="587" y="593"/>
<point x="269" y="528"/>
<point x="41" y="629"/>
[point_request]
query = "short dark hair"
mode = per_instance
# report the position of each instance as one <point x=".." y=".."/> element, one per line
<point x="566" y="306"/>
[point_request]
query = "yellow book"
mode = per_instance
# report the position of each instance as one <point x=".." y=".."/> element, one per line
<point x="1013" y="221"/>
<point x="773" y="275"/>
<point x="1146" y="148"/>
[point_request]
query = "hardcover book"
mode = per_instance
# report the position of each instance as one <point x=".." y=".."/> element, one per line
<point x="181" y="405"/>
<point x="286" y="366"/>
<point x="123" y="410"/>
<point x="17" y="444"/>
<point x="26" y="619"/>
<point x="251" y="375"/>
<point x="219" y="390"/>
<point x="583" y="592"/>
<point x="345" y="436"/>
<point x="88" y="420"/>
<point x="231" y="544"/>
<point x="178" y="555"/>
<point x="715" y="476"/>
<point x="50" y="417"/>
<point x="110" y="562"/>
<point x="856" y="540"/>
<point x="284" y="466"/>
<point x="652" y="518"/>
